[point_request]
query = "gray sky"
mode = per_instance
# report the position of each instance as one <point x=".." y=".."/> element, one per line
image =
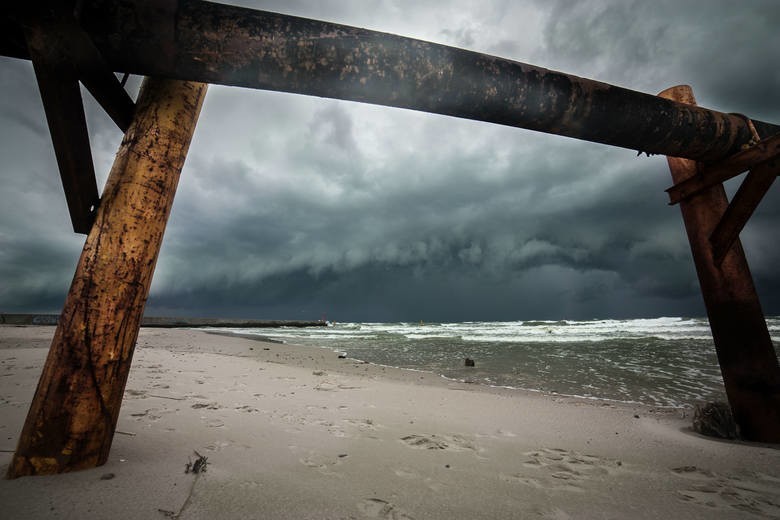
<point x="298" y="207"/>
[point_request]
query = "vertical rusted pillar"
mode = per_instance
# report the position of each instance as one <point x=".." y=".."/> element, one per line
<point x="73" y="415"/>
<point x="747" y="358"/>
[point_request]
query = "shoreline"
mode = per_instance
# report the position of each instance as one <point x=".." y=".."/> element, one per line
<point x="294" y="432"/>
<point x="400" y="374"/>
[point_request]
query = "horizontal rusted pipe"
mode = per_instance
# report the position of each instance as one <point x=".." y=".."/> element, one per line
<point x="207" y="42"/>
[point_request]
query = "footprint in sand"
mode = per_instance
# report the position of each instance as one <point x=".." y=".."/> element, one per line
<point x="553" y="514"/>
<point x="533" y="482"/>
<point x="751" y="492"/>
<point x="566" y="469"/>
<point x="330" y="386"/>
<point x="439" y="442"/>
<point x="246" y="408"/>
<point x="365" y="426"/>
<point x="378" y="508"/>
<point x="321" y="463"/>
<point x="135" y="394"/>
<point x="207" y="406"/>
<point x="332" y="428"/>
<point x="152" y="414"/>
<point x="220" y="445"/>
<point x="410" y="474"/>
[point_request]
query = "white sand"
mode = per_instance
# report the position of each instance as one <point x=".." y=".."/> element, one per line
<point x="295" y="433"/>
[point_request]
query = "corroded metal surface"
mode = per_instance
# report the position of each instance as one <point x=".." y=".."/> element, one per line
<point x="58" y="83"/>
<point x="741" y="208"/>
<point x="235" y="46"/>
<point x="767" y="151"/>
<point x="747" y="358"/>
<point x="73" y="415"/>
<point x="201" y="41"/>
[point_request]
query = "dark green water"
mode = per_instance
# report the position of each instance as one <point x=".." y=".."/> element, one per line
<point x="659" y="362"/>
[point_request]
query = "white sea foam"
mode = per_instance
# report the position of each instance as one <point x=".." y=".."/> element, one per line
<point x="666" y="361"/>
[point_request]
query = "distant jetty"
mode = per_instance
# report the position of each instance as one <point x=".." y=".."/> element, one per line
<point x="165" y="322"/>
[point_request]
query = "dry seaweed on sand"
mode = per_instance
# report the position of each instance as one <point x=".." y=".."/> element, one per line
<point x="199" y="466"/>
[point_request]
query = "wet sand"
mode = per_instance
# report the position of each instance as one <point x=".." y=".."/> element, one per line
<point x="296" y="433"/>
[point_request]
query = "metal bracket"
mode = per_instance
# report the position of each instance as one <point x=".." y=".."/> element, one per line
<point x="742" y="206"/>
<point x="762" y="159"/>
<point x="59" y="87"/>
<point x="63" y="54"/>
<point x="710" y="175"/>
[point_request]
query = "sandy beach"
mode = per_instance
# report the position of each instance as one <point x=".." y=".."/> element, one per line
<point x="297" y="433"/>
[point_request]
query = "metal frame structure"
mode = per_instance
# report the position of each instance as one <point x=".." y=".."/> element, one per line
<point x="88" y="41"/>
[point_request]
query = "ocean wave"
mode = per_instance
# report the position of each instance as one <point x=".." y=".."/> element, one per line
<point x="667" y="361"/>
<point x="431" y="336"/>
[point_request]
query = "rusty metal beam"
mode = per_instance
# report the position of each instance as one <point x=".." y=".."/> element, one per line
<point x="719" y="172"/>
<point x="63" y="55"/>
<point x="73" y="415"/>
<point x="68" y="42"/>
<point x="201" y="41"/>
<point x="748" y="363"/>
<point x="61" y="96"/>
<point x="741" y="207"/>
<point x="93" y="72"/>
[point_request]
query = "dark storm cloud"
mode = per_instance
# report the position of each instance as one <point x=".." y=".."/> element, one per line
<point x="653" y="45"/>
<point x="439" y="217"/>
<point x="295" y="207"/>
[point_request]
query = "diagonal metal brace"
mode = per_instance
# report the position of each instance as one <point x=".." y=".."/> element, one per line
<point x="94" y="73"/>
<point x="716" y="173"/>
<point x="742" y="206"/>
<point x="63" y="54"/>
<point x="59" y="87"/>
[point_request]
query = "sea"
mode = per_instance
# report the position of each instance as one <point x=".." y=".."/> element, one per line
<point x="662" y="362"/>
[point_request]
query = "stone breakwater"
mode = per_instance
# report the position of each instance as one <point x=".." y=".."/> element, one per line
<point x="166" y="322"/>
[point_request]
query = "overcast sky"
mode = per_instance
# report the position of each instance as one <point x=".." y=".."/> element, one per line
<point x="298" y="207"/>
